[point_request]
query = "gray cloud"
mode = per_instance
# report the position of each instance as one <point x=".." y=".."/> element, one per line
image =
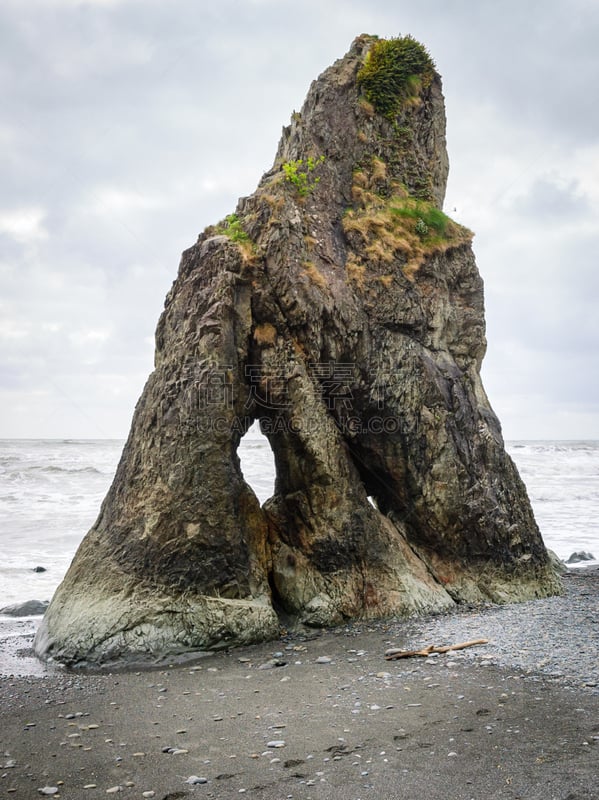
<point x="549" y="202"/>
<point x="127" y="126"/>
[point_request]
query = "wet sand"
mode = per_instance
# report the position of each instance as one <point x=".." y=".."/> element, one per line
<point x="332" y="720"/>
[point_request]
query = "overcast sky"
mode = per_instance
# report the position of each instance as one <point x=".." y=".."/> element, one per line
<point x="127" y="126"/>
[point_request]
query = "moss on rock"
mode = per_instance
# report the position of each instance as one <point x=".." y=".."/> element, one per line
<point x="393" y="72"/>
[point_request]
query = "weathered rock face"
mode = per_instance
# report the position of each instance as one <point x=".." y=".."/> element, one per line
<point x="343" y="310"/>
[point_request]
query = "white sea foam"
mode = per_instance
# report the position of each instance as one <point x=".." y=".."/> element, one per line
<point x="562" y="479"/>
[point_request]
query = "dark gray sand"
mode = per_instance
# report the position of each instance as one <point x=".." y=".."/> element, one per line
<point x="517" y="718"/>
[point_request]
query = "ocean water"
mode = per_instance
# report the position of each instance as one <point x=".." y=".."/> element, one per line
<point x="51" y="492"/>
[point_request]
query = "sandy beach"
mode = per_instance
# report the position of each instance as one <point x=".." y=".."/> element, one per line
<point x="322" y="714"/>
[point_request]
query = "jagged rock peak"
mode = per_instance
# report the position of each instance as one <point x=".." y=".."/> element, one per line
<point x="341" y="308"/>
<point x="339" y="122"/>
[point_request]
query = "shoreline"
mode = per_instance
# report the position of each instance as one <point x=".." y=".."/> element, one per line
<point x="507" y="626"/>
<point x="516" y="718"/>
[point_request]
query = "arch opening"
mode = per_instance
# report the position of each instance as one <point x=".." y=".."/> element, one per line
<point x="257" y="463"/>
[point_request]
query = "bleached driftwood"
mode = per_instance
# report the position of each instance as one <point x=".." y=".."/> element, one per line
<point x="426" y="651"/>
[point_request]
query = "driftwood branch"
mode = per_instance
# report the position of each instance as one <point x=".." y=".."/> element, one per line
<point x="426" y="651"/>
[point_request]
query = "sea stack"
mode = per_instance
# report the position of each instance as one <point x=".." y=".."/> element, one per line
<point x="340" y="307"/>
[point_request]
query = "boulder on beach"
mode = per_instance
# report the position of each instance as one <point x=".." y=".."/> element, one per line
<point x="30" y="608"/>
<point x="558" y="565"/>
<point x="342" y="309"/>
<point x="580" y="556"/>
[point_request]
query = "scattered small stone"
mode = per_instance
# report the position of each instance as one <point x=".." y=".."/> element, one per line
<point x="274" y="662"/>
<point x="323" y="660"/>
<point x="149" y="794"/>
<point x="48" y="790"/>
<point x="276" y="743"/>
<point x="194" y="779"/>
<point x="90" y="786"/>
<point x="114" y="790"/>
<point x="178" y="751"/>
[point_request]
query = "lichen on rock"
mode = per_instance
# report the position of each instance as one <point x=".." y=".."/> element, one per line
<point x="344" y="311"/>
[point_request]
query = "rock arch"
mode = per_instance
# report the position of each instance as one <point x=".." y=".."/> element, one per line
<point x="346" y="314"/>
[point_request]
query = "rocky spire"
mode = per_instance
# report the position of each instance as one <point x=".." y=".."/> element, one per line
<point x="340" y="307"/>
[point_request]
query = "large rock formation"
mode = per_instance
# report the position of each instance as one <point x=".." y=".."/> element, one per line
<point x="340" y="307"/>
